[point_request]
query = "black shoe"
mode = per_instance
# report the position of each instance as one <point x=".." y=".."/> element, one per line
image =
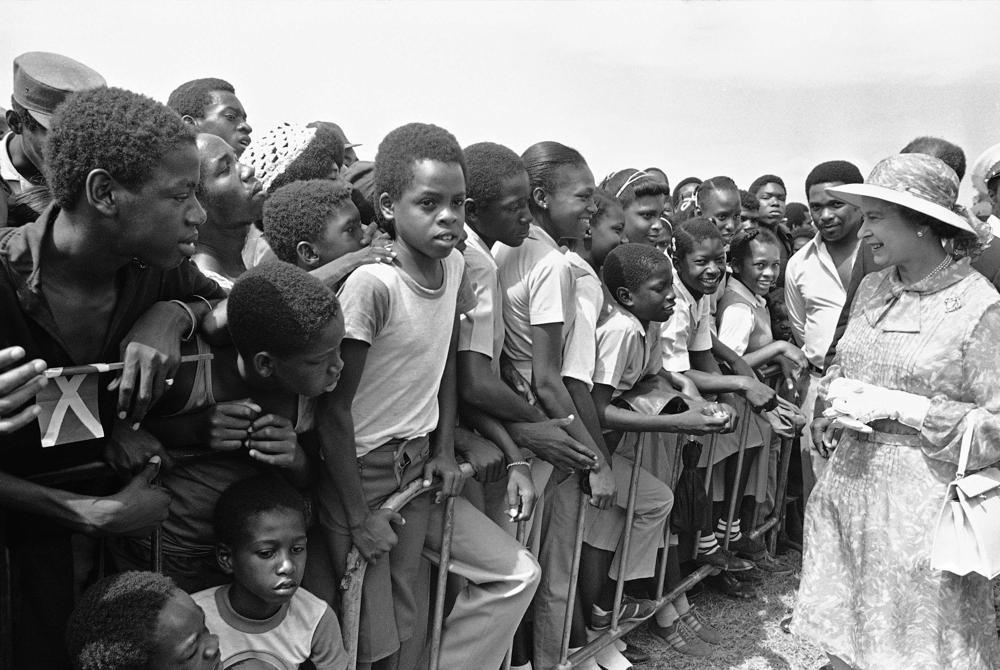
<point x="728" y="585"/>
<point x="750" y="549"/>
<point x="724" y="560"/>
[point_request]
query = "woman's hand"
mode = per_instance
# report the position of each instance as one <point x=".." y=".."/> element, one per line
<point x="520" y="493"/>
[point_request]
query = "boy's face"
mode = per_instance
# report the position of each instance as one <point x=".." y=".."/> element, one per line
<point x="181" y="640"/>
<point x="748" y="218"/>
<point x="429" y="215"/>
<point x="315" y="369"/>
<point x="653" y="299"/>
<point x="341" y="235"/>
<point x="226" y="118"/>
<point x="835" y="219"/>
<point x="267" y="564"/>
<point x="772" y="203"/>
<point x="702" y="269"/>
<point x="231" y="194"/>
<point x="606" y="232"/>
<point x="507" y="218"/>
<point x="642" y="218"/>
<point x="723" y="207"/>
<point x="571" y="203"/>
<point x="158" y="222"/>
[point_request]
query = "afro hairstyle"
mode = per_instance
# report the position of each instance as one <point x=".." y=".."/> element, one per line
<point x="676" y="197"/>
<point x="629" y="185"/>
<point x="748" y="200"/>
<point x="299" y="212"/>
<point x="122" y="132"/>
<point x="628" y="265"/>
<point x="797" y="214"/>
<point x="279" y="308"/>
<point x="245" y="499"/>
<point x="321" y="158"/>
<point x="739" y="246"/>
<point x="405" y="146"/>
<point x="340" y="147"/>
<point x="487" y="164"/>
<point x="689" y="233"/>
<point x="950" y="154"/>
<point x="765" y="179"/>
<point x="712" y="185"/>
<point x="833" y="171"/>
<point x="192" y="97"/>
<point x="114" y="624"/>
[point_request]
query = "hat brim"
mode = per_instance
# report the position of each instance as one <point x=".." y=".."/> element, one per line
<point x="44" y="118"/>
<point x="351" y="146"/>
<point x="853" y="194"/>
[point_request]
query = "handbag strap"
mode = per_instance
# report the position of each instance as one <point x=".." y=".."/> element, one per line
<point x="963" y="456"/>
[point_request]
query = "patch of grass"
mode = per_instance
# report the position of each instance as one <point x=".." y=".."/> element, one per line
<point x="753" y="639"/>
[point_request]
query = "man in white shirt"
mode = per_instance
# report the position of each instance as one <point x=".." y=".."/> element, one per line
<point x="815" y="284"/>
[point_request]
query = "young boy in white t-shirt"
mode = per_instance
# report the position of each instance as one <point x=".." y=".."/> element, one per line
<point x="391" y="420"/>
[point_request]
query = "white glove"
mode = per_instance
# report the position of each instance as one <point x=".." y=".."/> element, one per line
<point x="866" y="403"/>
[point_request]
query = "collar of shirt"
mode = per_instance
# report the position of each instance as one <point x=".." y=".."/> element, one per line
<point x="576" y="260"/>
<point x="8" y="172"/>
<point x="895" y="306"/>
<point x="740" y="289"/>
<point x="476" y="242"/>
<point x="817" y="247"/>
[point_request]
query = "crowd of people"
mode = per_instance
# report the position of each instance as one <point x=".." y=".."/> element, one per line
<point x="278" y="336"/>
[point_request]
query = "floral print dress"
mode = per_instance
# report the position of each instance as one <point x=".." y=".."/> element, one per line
<point x="868" y="594"/>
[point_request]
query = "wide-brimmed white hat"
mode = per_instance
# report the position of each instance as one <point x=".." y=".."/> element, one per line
<point x="916" y="181"/>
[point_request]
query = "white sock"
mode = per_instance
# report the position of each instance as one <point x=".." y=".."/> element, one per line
<point x="734" y="532"/>
<point x="707" y="544"/>
<point x="526" y="666"/>
<point x="681" y="604"/>
<point x="611" y="659"/>
<point x="620" y="644"/>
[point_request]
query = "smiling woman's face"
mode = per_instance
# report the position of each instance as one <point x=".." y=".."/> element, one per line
<point x="893" y="239"/>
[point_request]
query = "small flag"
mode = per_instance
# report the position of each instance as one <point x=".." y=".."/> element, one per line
<point x="70" y="409"/>
<point x="69" y="405"/>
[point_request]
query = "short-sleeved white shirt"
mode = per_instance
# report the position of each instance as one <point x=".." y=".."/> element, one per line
<point x="626" y="352"/>
<point x="481" y="329"/>
<point x="580" y="350"/>
<point x="689" y="329"/>
<point x="739" y="322"/>
<point x="536" y="281"/>
<point x="408" y="328"/>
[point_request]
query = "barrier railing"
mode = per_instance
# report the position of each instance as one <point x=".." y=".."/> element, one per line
<point x="353" y="579"/>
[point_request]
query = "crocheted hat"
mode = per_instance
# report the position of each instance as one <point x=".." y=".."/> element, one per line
<point x="273" y="151"/>
<point x="916" y="181"/>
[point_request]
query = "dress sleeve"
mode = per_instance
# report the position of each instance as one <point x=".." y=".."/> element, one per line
<point x="328" y="651"/>
<point x="946" y="420"/>
<point x="735" y="326"/>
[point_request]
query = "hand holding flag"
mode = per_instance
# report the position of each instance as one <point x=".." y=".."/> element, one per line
<point x="19" y="383"/>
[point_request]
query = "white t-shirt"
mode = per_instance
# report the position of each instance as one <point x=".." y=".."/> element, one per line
<point x="580" y="349"/>
<point x="8" y="172"/>
<point x="689" y="329"/>
<point x="481" y="329"/>
<point x="409" y="329"/>
<point x="537" y="285"/>
<point x="626" y="352"/>
<point x="305" y="628"/>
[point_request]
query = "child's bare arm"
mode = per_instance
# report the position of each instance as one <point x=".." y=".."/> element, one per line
<point x="370" y="530"/>
<point x="442" y="462"/>
<point x="546" y="364"/>
<point x="705" y="373"/>
<point x="480" y="387"/>
<point x="697" y="420"/>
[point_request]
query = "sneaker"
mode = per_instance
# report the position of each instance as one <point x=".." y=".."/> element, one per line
<point x="693" y="620"/>
<point x="724" y="560"/>
<point x="632" y="609"/>
<point x="682" y="639"/>
<point x="750" y="549"/>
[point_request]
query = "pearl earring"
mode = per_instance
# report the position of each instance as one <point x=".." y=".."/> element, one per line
<point x="920" y="233"/>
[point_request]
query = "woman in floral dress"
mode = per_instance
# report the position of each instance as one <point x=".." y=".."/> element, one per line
<point x="918" y="364"/>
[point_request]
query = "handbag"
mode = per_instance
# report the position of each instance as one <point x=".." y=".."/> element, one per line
<point x="967" y="538"/>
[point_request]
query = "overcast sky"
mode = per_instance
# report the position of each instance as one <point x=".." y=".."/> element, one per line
<point x="737" y="88"/>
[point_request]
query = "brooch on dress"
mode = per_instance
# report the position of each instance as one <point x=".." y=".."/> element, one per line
<point x="952" y="304"/>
